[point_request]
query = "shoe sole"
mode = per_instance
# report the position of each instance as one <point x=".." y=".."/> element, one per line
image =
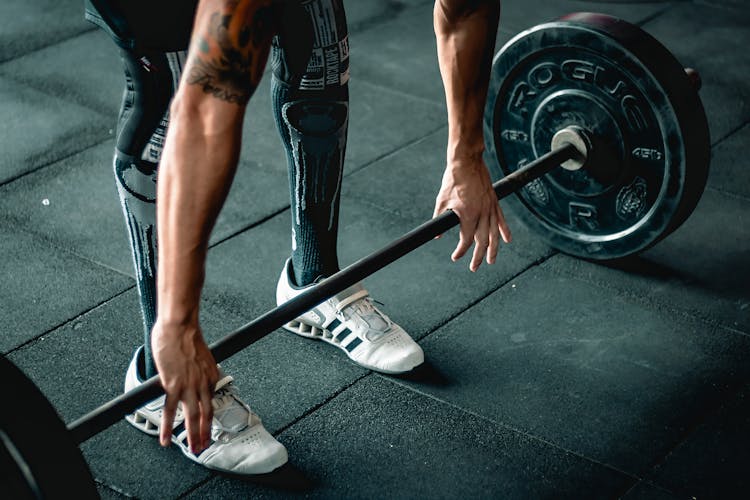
<point x="316" y="333"/>
<point x="140" y="422"/>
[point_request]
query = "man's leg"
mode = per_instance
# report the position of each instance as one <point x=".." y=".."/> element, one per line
<point x="310" y="97"/>
<point x="151" y="80"/>
<point x="311" y="103"/>
<point x="231" y="435"/>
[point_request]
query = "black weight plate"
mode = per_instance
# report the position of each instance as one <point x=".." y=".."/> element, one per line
<point x="650" y="160"/>
<point x="38" y="457"/>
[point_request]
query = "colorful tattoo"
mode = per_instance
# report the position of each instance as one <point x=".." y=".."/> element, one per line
<point x="230" y="49"/>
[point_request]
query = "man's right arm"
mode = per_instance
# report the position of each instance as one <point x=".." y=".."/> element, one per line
<point x="229" y="48"/>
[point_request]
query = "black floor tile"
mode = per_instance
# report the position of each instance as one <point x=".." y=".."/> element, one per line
<point x="379" y="440"/>
<point x="700" y="270"/>
<point x="84" y="211"/>
<point x="27" y="26"/>
<point x="36" y="129"/>
<point x="713" y="41"/>
<point x="582" y="367"/>
<point x="729" y="164"/>
<point x="712" y="462"/>
<point x="646" y="491"/>
<point x="44" y="286"/>
<point x="85" y="70"/>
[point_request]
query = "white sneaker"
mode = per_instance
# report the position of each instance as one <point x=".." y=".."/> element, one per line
<point x="351" y="322"/>
<point x="240" y="443"/>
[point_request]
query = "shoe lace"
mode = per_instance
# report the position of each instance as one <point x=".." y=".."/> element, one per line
<point x="230" y="414"/>
<point x="377" y="322"/>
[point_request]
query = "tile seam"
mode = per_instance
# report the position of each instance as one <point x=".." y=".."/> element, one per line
<point x="535" y="263"/>
<point x="42" y="90"/>
<point x="638" y="299"/>
<point x="320" y="405"/>
<point x="66" y="250"/>
<point x="88" y="29"/>
<point x="44" y="165"/>
<point x="29" y="343"/>
<point x="112" y="488"/>
<point x="729" y="134"/>
<point x="511" y="428"/>
<point x="691" y="429"/>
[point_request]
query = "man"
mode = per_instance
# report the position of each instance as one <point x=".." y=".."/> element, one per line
<point x="198" y="153"/>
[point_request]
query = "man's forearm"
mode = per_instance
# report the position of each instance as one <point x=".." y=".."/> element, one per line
<point x="465" y="32"/>
<point x="228" y="52"/>
<point x="194" y="178"/>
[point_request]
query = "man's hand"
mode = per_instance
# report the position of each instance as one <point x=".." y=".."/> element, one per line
<point x="188" y="373"/>
<point x="467" y="190"/>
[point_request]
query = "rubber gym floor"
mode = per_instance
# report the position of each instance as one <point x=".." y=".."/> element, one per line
<point x="547" y="376"/>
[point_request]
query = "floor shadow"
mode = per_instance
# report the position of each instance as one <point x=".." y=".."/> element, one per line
<point x="425" y="374"/>
<point x="287" y="477"/>
<point x="641" y="266"/>
<point x="729" y="273"/>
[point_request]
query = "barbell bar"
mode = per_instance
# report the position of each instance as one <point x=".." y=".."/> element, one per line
<point x="111" y="412"/>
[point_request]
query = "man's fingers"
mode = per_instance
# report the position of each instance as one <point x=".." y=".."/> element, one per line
<point x="207" y="415"/>
<point x="494" y="239"/>
<point x="465" y="239"/>
<point x="192" y="412"/>
<point x="481" y="237"/>
<point x="503" y="226"/>
<point x="438" y="210"/>
<point x="167" y="419"/>
<point x="477" y="256"/>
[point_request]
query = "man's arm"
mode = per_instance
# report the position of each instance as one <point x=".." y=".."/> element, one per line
<point x="465" y="31"/>
<point x="228" y="52"/>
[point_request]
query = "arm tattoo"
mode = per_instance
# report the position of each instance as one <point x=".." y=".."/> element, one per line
<point x="229" y="50"/>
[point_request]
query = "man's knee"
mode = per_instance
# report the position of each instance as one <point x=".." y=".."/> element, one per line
<point x="151" y="80"/>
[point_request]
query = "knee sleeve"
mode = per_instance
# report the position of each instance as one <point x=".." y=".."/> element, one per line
<point x="150" y="82"/>
<point x="136" y="186"/>
<point x="317" y="137"/>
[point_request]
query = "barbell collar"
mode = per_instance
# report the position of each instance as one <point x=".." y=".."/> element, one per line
<point x="579" y="139"/>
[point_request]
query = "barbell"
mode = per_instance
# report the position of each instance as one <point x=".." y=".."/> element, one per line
<point x="590" y="122"/>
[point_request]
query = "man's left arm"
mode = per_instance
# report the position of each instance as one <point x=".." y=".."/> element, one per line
<point x="465" y="32"/>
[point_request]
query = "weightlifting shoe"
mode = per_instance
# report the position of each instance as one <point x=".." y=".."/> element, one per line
<point x="351" y="321"/>
<point x="239" y="442"/>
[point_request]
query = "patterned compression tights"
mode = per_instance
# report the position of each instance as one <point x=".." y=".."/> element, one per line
<point x="310" y="101"/>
